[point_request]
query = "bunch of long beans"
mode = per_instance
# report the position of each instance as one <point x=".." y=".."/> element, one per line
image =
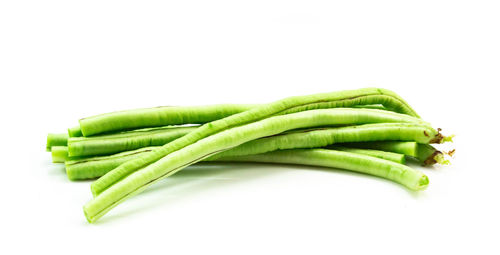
<point x="368" y="130"/>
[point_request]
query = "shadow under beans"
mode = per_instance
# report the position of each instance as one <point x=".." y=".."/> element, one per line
<point x="205" y="176"/>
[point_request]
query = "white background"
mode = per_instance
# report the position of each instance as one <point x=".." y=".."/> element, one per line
<point x="63" y="60"/>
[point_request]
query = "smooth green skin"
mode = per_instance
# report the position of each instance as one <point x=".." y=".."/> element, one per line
<point x="59" y="154"/>
<point x="321" y="137"/>
<point x="75" y="132"/>
<point x="126" y="141"/>
<point x="402" y="147"/>
<point x="412" y="179"/>
<point x="56" y="140"/>
<point x="366" y="96"/>
<point x="115" y="190"/>
<point x="178" y="115"/>
<point x="391" y="156"/>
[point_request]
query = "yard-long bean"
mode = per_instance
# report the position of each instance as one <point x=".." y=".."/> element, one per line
<point x="391" y="156"/>
<point x="423" y="152"/>
<point x="175" y="115"/>
<point x="413" y="179"/>
<point x="182" y="152"/>
<point x="320" y="117"/>
<point x="428" y="155"/>
<point x="321" y="137"/>
<point x="93" y="167"/>
<point x="110" y="144"/>
<point x="56" y="140"/>
<point x="75" y="131"/>
<point x="59" y="154"/>
<point x="408" y="148"/>
<point x="326" y="100"/>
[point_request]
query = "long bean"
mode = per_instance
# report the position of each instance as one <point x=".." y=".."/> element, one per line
<point x="391" y="156"/>
<point x="174" y="115"/>
<point x="428" y="155"/>
<point x="345" y="159"/>
<point x="110" y="144"/>
<point x="413" y="179"/>
<point x="86" y="168"/>
<point x="408" y="148"/>
<point x="75" y="131"/>
<point x="56" y="140"/>
<point x="321" y="137"/>
<point x="321" y="117"/>
<point x="301" y="103"/>
<point x="174" y="160"/>
<point x="59" y="154"/>
<point x="93" y="167"/>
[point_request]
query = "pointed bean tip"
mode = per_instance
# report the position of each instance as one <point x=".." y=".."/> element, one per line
<point x="423" y="183"/>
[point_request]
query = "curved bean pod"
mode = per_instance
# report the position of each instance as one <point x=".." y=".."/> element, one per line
<point x="174" y="115"/>
<point x="158" y="116"/>
<point x="412" y="179"/>
<point x="112" y="191"/>
<point x="326" y="100"/>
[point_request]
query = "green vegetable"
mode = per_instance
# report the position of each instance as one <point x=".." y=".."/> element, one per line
<point x="294" y="104"/>
<point x="75" y="132"/>
<point x="59" y="154"/>
<point x="321" y="137"/>
<point x="93" y="167"/>
<point x="110" y="144"/>
<point x="423" y="152"/>
<point x="403" y="147"/>
<point x="428" y="155"/>
<point x="56" y="140"/>
<point x="391" y="156"/>
<point x="413" y="179"/>
<point x="123" y="182"/>
<point x="178" y="115"/>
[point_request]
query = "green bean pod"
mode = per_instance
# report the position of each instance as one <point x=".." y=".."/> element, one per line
<point x="59" y="154"/>
<point x="110" y="144"/>
<point x="428" y="155"/>
<point x="321" y="137"/>
<point x="93" y="167"/>
<point x="56" y="140"/>
<point x="178" y="115"/>
<point x="90" y="168"/>
<point x="75" y="132"/>
<point x="412" y="179"/>
<point x="116" y="186"/>
<point x="391" y="156"/>
<point x="403" y="147"/>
